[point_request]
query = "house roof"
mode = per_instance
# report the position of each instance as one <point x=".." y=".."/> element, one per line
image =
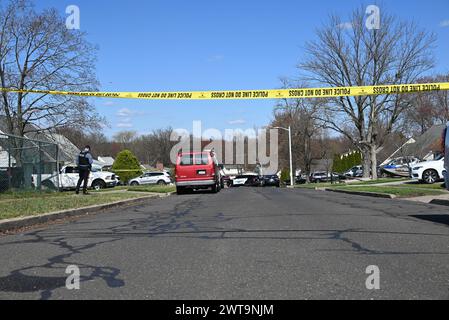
<point x="425" y="144"/>
<point x="67" y="150"/>
<point x="106" y="161"/>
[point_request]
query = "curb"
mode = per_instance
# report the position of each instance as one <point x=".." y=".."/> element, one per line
<point x="362" y="193"/>
<point x="26" y="222"/>
<point x="440" y="202"/>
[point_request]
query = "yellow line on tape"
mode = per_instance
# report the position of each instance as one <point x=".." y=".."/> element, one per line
<point x="255" y="94"/>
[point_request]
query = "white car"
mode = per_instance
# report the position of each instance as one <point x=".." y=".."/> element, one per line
<point x="69" y="176"/>
<point x="160" y="178"/>
<point x="429" y="171"/>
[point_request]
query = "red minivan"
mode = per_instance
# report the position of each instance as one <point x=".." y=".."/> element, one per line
<point x="197" y="170"/>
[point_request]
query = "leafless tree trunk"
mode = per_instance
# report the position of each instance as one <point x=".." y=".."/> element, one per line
<point x="397" y="53"/>
<point x="38" y="52"/>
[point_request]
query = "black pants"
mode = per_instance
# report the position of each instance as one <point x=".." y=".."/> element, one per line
<point x="84" y="176"/>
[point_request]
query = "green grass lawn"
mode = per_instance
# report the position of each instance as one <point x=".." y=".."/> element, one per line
<point x="29" y="204"/>
<point x="28" y="194"/>
<point x="435" y="186"/>
<point x="317" y="185"/>
<point x="399" y="191"/>
<point x="147" y="188"/>
<point x="378" y="181"/>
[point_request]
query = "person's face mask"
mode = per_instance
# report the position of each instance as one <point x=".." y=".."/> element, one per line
<point x="86" y="150"/>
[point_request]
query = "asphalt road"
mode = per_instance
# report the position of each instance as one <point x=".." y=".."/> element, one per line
<point x="240" y="244"/>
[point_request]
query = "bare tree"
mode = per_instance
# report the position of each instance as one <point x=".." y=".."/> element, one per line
<point x="307" y="131"/>
<point x="155" y="147"/>
<point x="38" y="52"/>
<point x="442" y="101"/>
<point x="397" y="53"/>
<point x="426" y="109"/>
<point x="125" y="138"/>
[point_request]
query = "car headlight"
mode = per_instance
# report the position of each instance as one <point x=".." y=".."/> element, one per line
<point x="417" y="168"/>
<point x="109" y="178"/>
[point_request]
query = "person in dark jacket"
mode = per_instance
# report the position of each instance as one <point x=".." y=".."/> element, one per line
<point x="84" y="163"/>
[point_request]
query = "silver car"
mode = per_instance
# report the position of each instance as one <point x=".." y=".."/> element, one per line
<point x="154" y="178"/>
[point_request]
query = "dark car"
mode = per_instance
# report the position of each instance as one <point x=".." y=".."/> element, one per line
<point x="271" y="181"/>
<point x="302" y="179"/>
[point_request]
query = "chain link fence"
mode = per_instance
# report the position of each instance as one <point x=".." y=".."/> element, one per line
<point x="27" y="165"/>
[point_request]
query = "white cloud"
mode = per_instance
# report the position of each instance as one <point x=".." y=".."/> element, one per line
<point x="125" y="112"/>
<point x="345" y="25"/>
<point x="444" y="23"/>
<point x="109" y="103"/>
<point x="125" y="125"/>
<point x="125" y="117"/>
<point x="237" y="122"/>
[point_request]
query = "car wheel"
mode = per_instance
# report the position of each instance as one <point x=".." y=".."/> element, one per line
<point x="180" y="190"/>
<point x="430" y="176"/>
<point x="215" y="188"/>
<point x="161" y="183"/>
<point x="134" y="184"/>
<point x="98" y="185"/>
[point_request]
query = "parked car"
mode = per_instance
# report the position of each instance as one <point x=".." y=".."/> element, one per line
<point x="197" y="170"/>
<point x="68" y="179"/>
<point x="318" y="177"/>
<point x="271" y="181"/>
<point x="246" y="181"/>
<point x="301" y="179"/>
<point x="355" y="172"/>
<point x="429" y="171"/>
<point x="159" y="178"/>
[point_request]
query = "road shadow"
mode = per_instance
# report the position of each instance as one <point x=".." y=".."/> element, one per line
<point x="25" y="280"/>
<point x="437" y="218"/>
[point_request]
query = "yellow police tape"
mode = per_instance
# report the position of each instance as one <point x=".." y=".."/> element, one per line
<point x="255" y="94"/>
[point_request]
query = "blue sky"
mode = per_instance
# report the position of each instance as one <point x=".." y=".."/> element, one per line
<point x="213" y="45"/>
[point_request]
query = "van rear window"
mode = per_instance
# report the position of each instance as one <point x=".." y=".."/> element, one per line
<point x="198" y="159"/>
<point x="186" y="160"/>
<point x="201" y="159"/>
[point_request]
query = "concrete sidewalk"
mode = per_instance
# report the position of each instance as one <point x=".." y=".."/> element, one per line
<point x="439" y="199"/>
